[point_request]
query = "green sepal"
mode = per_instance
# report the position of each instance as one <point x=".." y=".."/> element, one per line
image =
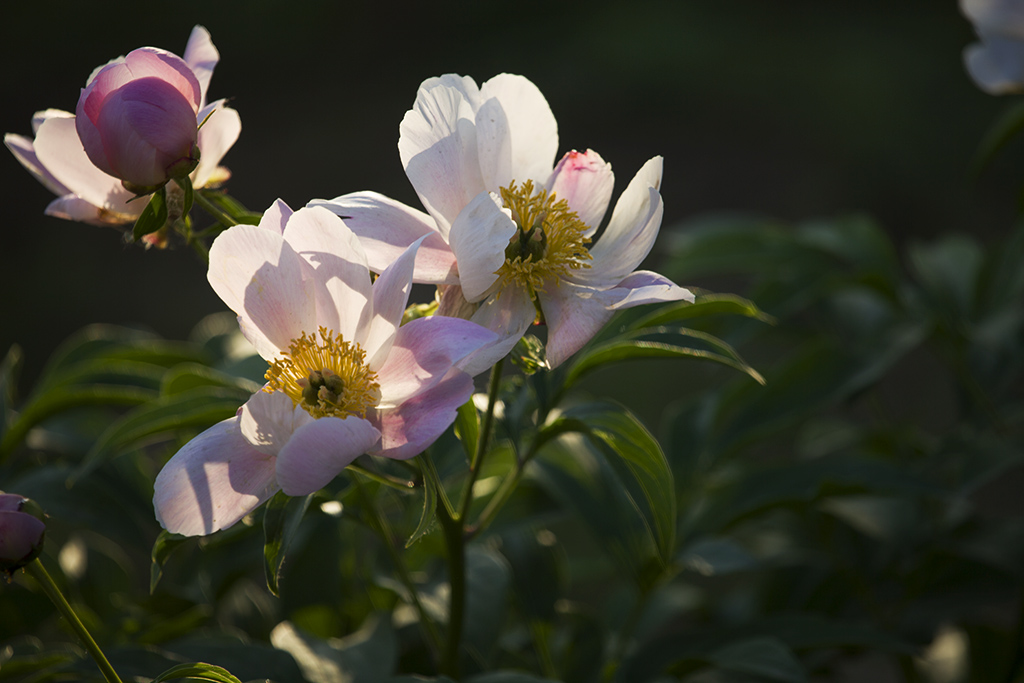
<point x="153" y="217"/>
<point x="188" y="194"/>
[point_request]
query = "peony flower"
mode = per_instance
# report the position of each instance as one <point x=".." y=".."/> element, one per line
<point x="506" y="231"/>
<point x="344" y="379"/>
<point x="996" y="64"/>
<point x="86" y="191"/>
<point x="21" y="532"/>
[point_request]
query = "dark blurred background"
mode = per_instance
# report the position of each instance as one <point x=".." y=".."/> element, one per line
<point x="788" y="109"/>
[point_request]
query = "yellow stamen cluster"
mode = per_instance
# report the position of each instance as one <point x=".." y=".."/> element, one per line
<point x="328" y="376"/>
<point x="550" y="241"/>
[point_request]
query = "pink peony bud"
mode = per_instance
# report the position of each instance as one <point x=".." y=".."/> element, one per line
<point x="21" y="532"/>
<point x="136" y="118"/>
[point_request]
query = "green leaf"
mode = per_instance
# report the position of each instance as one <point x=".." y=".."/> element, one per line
<point x="467" y="427"/>
<point x="998" y="136"/>
<point x="188" y="194"/>
<point x="508" y="677"/>
<point x="192" y="375"/>
<point x="232" y="207"/>
<point x="704" y="305"/>
<point x="200" y="408"/>
<point x="197" y="671"/>
<point x="618" y="432"/>
<point x="716" y="556"/>
<point x="537" y="578"/>
<point x="767" y="658"/>
<point x="153" y="217"/>
<point x="281" y="519"/>
<point x="488" y="579"/>
<point x="366" y="656"/>
<point x="429" y="514"/>
<point x="165" y="544"/>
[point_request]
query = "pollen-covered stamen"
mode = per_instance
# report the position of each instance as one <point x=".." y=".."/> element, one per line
<point x="550" y="241"/>
<point x="326" y="375"/>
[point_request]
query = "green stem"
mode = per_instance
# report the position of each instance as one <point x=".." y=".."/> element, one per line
<point x="455" y="541"/>
<point x="214" y="210"/>
<point x="381" y="526"/>
<point x="38" y="572"/>
<point x="392" y="482"/>
<point x="482" y="442"/>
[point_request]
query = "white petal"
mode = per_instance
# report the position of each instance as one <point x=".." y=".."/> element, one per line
<point x="573" y="313"/>
<point x="268" y="420"/>
<point x="632" y="230"/>
<point x="319" y="450"/>
<point x="72" y="208"/>
<point x="390" y="297"/>
<point x="478" y="239"/>
<point x="644" y="287"/>
<point x="60" y="151"/>
<point x="261" y="278"/>
<point x="212" y="482"/>
<point x="532" y="126"/>
<point x="509" y="313"/>
<point x="407" y="430"/>
<point x="201" y="56"/>
<point x="585" y="180"/>
<point x="276" y="217"/>
<point x="386" y="228"/>
<point x="21" y="148"/>
<point x="494" y="145"/>
<point x="439" y="152"/>
<point x="338" y="267"/>
<point x="216" y="137"/>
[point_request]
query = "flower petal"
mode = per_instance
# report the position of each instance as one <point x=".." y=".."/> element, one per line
<point x="574" y="313"/>
<point x="268" y="420"/>
<point x="478" y="239"/>
<point x="644" y="287"/>
<point x="509" y="313"/>
<point x="261" y="278"/>
<point x="390" y="297"/>
<point x="997" y="63"/>
<point x="407" y="430"/>
<point x="212" y="482"/>
<point x="215" y="138"/>
<point x="386" y="228"/>
<point x="532" y="127"/>
<point x="20" y="535"/>
<point x="60" y="151"/>
<point x="424" y="351"/>
<point x="494" y="145"/>
<point x="22" y="149"/>
<point x="201" y="56"/>
<point x="439" y="152"/>
<point x="320" y="449"/>
<point x="276" y="217"/>
<point x="337" y="265"/>
<point x="585" y="180"/>
<point x="631" y="231"/>
<point x="72" y="208"/>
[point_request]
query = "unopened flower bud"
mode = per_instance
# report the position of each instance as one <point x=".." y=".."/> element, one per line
<point x="21" y="532"/>
<point x="136" y="118"/>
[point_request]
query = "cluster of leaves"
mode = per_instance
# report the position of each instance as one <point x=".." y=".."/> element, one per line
<point x="851" y="511"/>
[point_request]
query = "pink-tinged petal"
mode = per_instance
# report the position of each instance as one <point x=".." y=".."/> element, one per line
<point x="438" y="148"/>
<point x="631" y="231"/>
<point x="584" y="180"/>
<point x="145" y="127"/>
<point x="386" y="228"/>
<point x="145" y="62"/>
<point x="337" y="265"/>
<point x="60" y="151"/>
<point x="201" y="56"/>
<point x="424" y="351"/>
<point x="212" y="482"/>
<point x="22" y="149"/>
<point x="215" y="138"/>
<point x="407" y="430"/>
<point x="390" y="297"/>
<point x="509" y="313"/>
<point x="276" y="217"/>
<point x="494" y="145"/>
<point x="478" y="239"/>
<point x="574" y="313"/>
<point x="319" y="450"/>
<point x="268" y="420"/>
<point x="532" y="127"/>
<point x="72" y="208"/>
<point x="644" y="287"/>
<point x="261" y="278"/>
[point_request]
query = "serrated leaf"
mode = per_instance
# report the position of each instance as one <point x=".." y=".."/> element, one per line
<point x="153" y="217"/>
<point x="165" y="544"/>
<point x="201" y="407"/>
<point x="198" y="671"/>
<point x="283" y="514"/>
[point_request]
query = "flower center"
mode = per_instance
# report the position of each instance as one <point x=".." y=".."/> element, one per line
<point x="549" y="243"/>
<point x="328" y="376"/>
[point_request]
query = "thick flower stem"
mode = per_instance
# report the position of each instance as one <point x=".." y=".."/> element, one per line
<point x="38" y="572"/>
<point x="383" y="529"/>
<point x="215" y="211"/>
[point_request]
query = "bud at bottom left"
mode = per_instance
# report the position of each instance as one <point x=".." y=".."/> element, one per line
<point x="21" y="532"/>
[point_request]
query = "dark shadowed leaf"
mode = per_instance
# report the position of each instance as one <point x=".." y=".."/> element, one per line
<point x="283" y="514"/>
